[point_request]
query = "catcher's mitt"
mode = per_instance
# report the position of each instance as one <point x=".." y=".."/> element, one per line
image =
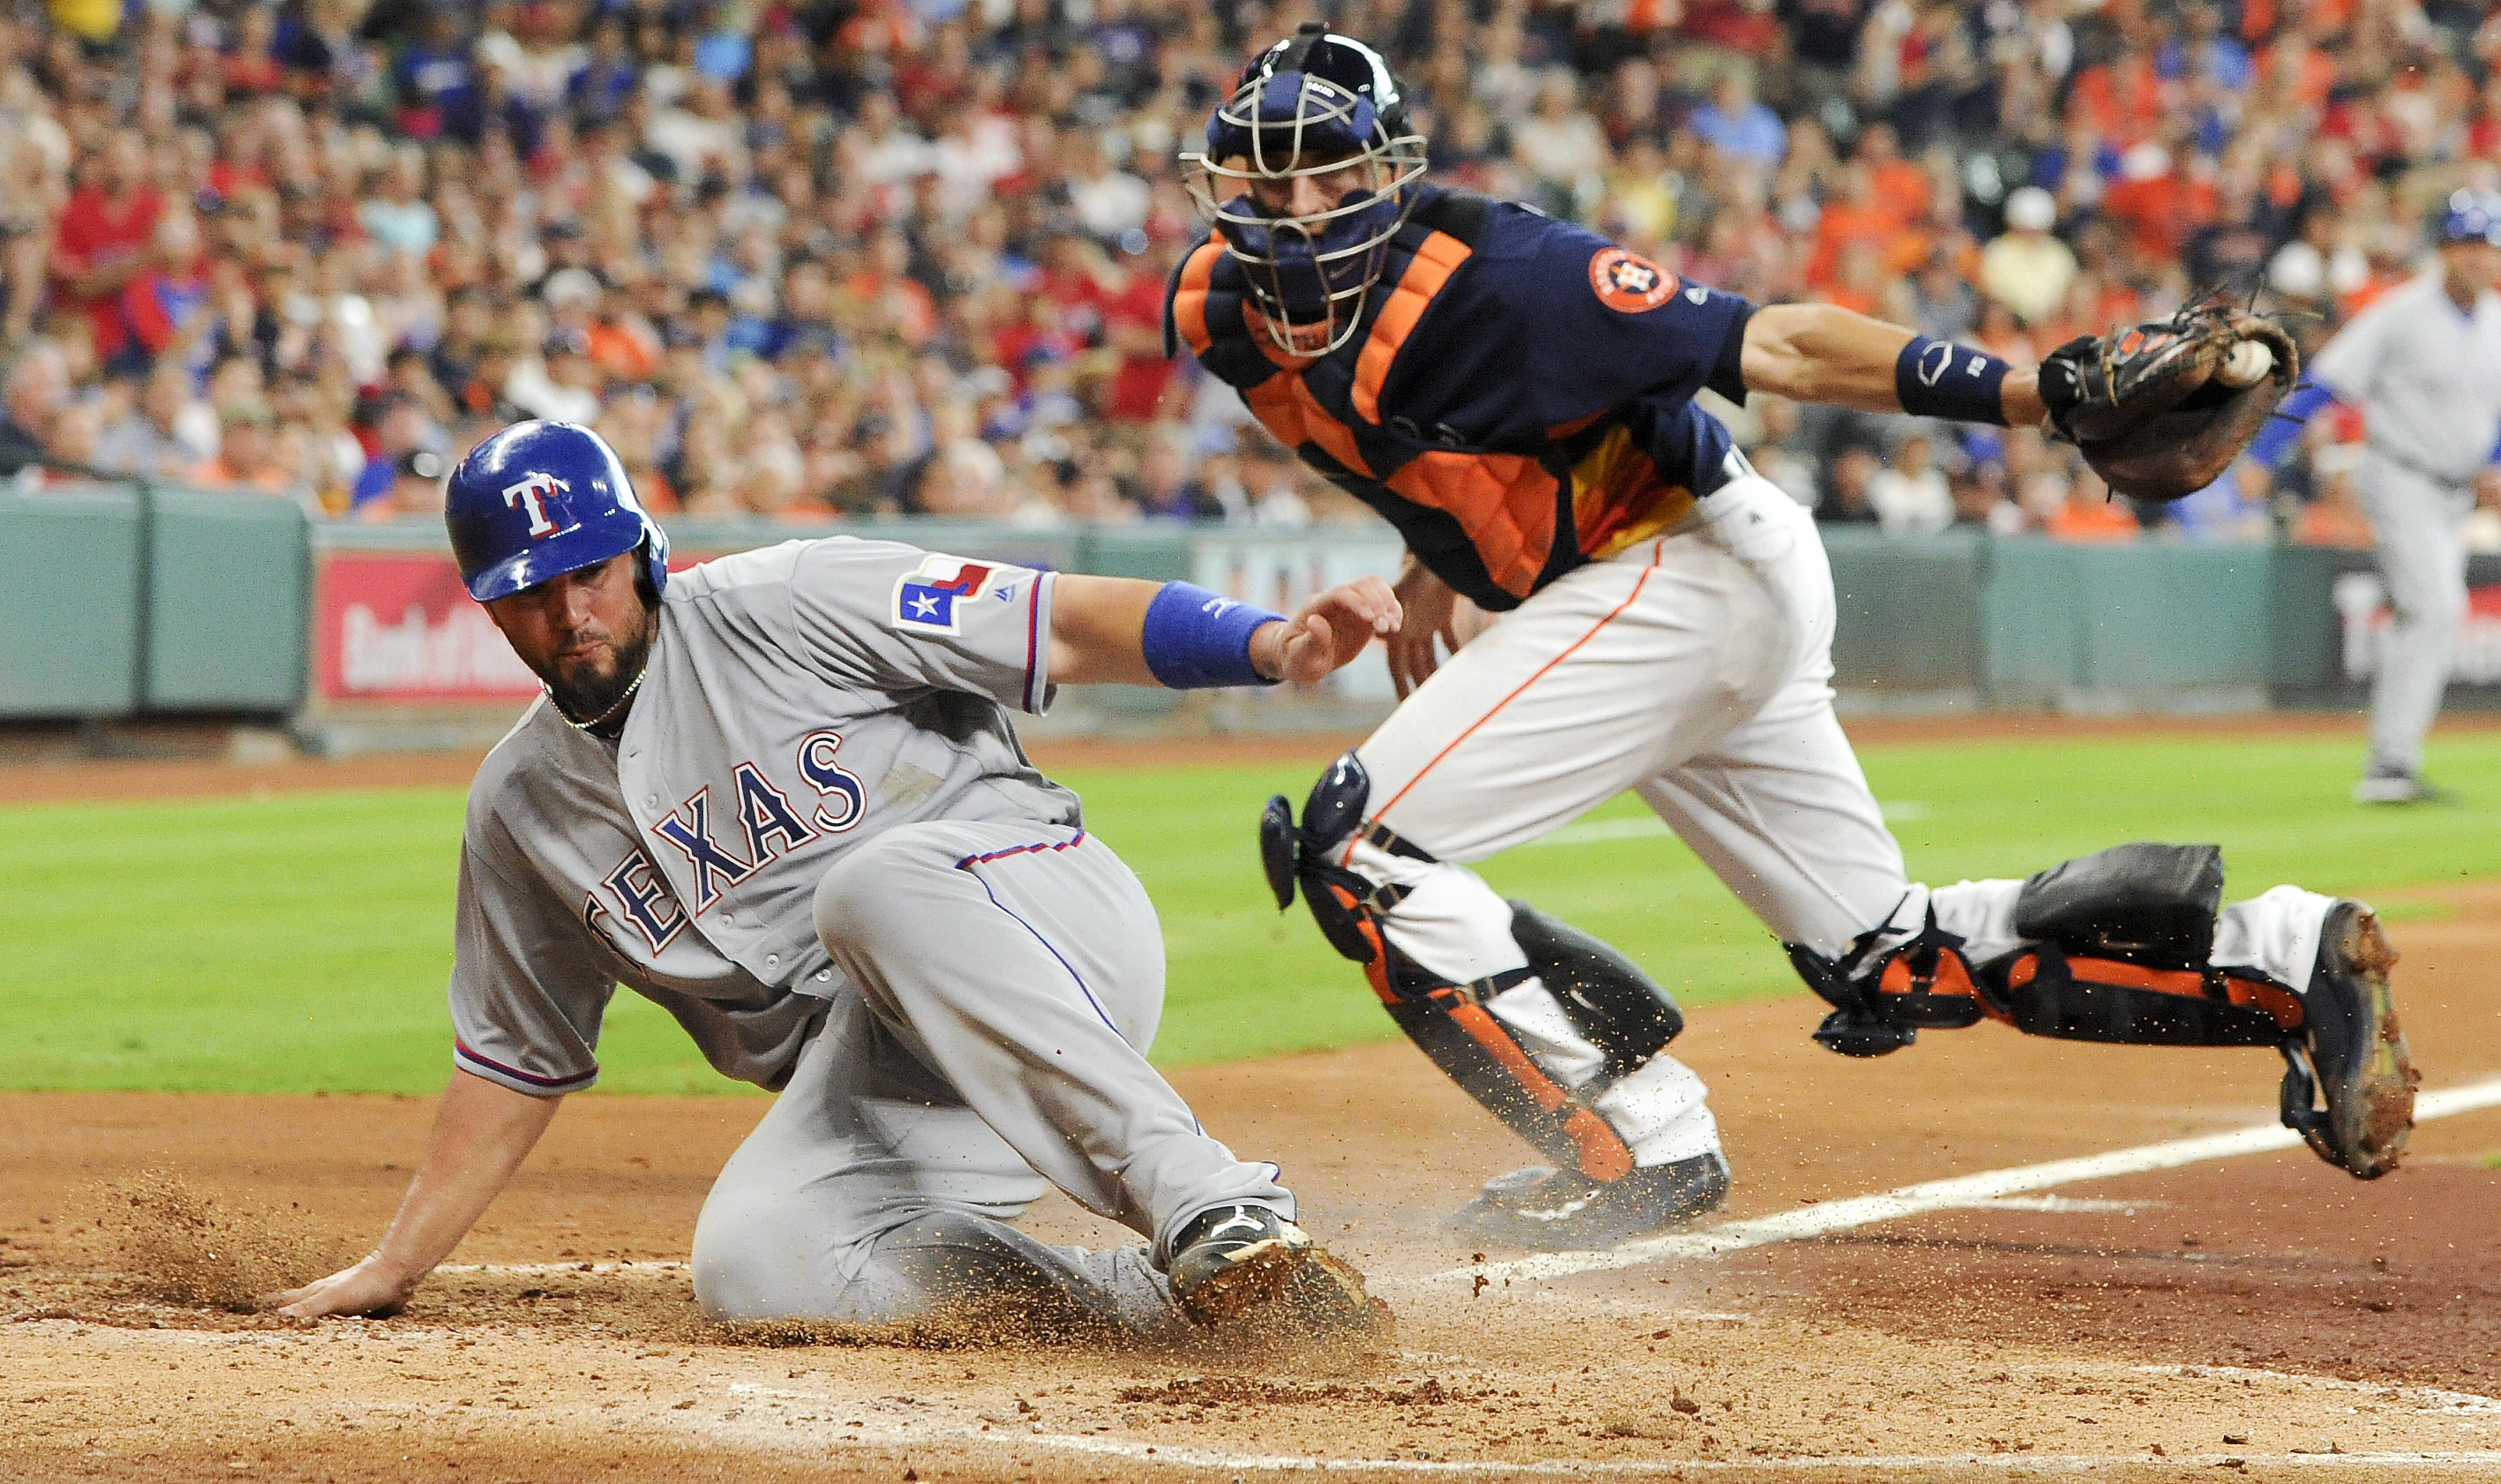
<point x="2160" y="410"/>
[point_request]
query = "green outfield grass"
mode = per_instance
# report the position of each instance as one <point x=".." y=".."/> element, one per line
<point x="300" y="942"/>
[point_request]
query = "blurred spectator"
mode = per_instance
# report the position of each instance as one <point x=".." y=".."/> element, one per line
<point x="1774" y="453"/>
<point x="247" y="458"/>
<point x="165" y="435"/>
<point x="100" y="242"/>
<point x="1737" y="126"/>
<point x="1849" y="485"/>
<point x="1164" y="486"/>
<point x="2232" y="509"/>
<point x="2026" y="269"/>
<point x="33" y="396"/>
<point x="1911" y="496"/>
<point x="413" y="490"/>
<point x="2090" y="514"/>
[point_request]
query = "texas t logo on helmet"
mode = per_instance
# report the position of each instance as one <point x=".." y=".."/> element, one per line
<point x="531" y="492"/>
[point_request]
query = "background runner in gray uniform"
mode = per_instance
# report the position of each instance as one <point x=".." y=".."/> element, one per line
<point x="2423" y="365"/>
<point x="813" y="840"/>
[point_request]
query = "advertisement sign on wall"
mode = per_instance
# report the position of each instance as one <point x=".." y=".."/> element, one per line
<point x="397" y="626"/>
<point x="2364" y="619"/>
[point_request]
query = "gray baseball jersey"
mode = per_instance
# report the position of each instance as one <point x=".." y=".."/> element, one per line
<point x="818" y="844"/>
<point x="2425" y="372"/>
<point x="800" y="699"/>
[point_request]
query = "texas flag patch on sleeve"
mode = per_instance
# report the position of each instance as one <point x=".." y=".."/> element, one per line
<point x="925" y="599"/>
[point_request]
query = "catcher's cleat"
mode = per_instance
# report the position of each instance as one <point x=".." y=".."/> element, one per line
<point x="1563" y="1209"/>
<point x="1245" y="1262"/>
<point x="2352" y="1051"/>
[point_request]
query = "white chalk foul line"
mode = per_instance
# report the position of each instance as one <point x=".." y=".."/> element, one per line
<point x="1830" y="1216"/>
<point x="2478" y="1460"/>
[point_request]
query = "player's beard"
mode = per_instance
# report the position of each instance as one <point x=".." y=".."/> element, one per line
<point x="589" y="689"/>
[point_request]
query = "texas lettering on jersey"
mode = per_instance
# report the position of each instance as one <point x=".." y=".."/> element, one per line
<point x="765" y="819"/>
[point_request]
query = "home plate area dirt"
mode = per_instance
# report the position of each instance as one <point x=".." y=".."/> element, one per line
<point x="2256" y="1317"/>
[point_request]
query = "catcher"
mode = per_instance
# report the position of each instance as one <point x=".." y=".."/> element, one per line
<point x="1641" y="611"/>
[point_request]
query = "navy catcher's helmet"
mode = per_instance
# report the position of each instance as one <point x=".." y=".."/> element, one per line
<point x="1314" y="103"/>
<point x="542" y="499"/>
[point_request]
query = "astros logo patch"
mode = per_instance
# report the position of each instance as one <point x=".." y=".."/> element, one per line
<point x="925" y="599"/>
<point x="1628" y="281"/>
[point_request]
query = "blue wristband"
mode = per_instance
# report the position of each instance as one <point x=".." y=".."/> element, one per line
<point x="1194" y="638"/>
<point x="1935" y="379"/>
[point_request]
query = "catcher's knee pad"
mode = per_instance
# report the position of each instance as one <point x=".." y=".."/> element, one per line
<point x="1448" y="1021"/>
<point x="2143" y="904"/>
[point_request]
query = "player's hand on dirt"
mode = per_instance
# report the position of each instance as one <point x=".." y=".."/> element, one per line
<point x="1326" y="633"/>
<point x="1432" y="608"/>
<point x="369" y="1288"/>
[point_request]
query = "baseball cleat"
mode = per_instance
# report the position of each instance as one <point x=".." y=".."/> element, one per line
<point x="2395" y="785"/>
<point x="2352" y="1051"/>
<point x="1562" y="1209"/>
<point x="1245" y="1262"/>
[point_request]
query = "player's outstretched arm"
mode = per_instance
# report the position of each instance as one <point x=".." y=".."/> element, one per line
<point x="1821" y="352"/>
<point x="481" y="1133"/>
<point x="1126" y="632"/>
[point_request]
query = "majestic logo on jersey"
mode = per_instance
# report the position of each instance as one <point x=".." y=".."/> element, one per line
<point x="530" y="493"/>
<point x="1628" y="281"/>
<point x="925" y="599"/>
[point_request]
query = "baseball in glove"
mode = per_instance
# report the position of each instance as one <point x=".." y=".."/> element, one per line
<point x="2160" y="410"/>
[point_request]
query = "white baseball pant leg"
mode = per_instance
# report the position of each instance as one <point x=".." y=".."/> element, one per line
<point x="2418" y="528"/>
<point x="1696" y="671"/>
<point x="1618" y="675"/>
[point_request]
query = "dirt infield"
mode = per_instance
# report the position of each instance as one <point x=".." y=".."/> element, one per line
<point x="2266" y="1311"/>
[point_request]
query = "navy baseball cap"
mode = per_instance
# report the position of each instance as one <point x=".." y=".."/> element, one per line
<point x="2473" y="217"/>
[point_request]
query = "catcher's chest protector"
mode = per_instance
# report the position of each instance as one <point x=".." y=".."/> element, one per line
<point x="1496" y="522"/>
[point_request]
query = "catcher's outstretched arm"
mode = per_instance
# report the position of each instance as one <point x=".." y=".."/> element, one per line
<point x="1821" y="352"/>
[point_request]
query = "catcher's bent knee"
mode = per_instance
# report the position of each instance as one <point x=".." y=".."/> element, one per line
<point x="1610" y="1000"/>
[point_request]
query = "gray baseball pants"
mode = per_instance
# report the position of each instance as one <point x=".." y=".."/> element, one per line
<point x="1005" y="984"/>
<point x="2419" y="527"/>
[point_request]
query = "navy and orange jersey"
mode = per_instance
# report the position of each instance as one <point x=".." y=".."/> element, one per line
<point x="1518" y="399"/>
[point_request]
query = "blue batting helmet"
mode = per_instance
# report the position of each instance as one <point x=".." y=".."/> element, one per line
<point x="2473" y="217"/>
<point x="542" y="499"/>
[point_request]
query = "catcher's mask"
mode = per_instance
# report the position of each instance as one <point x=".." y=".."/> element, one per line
<point x="1311" y="105"/>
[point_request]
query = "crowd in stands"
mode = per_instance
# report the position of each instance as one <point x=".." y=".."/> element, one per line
<point x="811" y="260"/>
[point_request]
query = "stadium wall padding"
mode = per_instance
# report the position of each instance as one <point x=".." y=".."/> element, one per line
<point x="126" y="601"/>
<point x="1949" y="621"/>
